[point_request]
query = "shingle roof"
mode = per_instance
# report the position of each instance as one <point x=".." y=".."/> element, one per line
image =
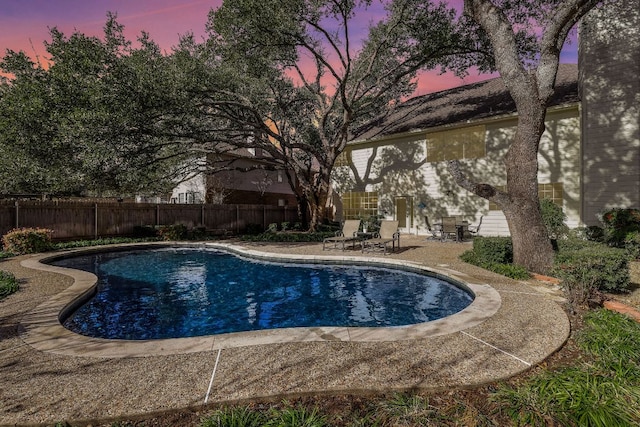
<point x="471" y="102"/>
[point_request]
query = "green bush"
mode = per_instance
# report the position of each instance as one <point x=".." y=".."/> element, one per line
<point x="618" y="223"/>
<point x="576" y="242"/>
<point x="99" y="242"/>
<point x="553" y="218"/>
<point x="144" y="231"/>
<point x="632" y="244"/>
<point x="594" y="233"/>
<point x="595" y="268"/>
<point x="493" y="250"/>
<point x="27" y="240"/>
<point x="8" y="284"/>
<point x="174" y="232"/>
<point x="254" y="229"/>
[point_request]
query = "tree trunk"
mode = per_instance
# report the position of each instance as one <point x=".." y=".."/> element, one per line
<point x="531" y="245"/>
<point x="317" y="198"/>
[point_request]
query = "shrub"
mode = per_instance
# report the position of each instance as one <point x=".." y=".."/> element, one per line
<point x="174" y="232"/>
<point x="632" y="244"/>
<point x="144" y="231"/>
<point x="272" y="228"/>
<point x="595" y="233"/>
<point x="27" y="240"/>
<point x="8" y="284"/>
<point x="99" y="242"/>
<point x="498" y="250"/>
<point x="594" y="268"/>
<point x="618" y="223"/>
<point x="553" y="218"/>
<point x="254" y="229"/>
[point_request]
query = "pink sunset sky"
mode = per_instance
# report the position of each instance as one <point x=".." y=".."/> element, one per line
<point x="24" y="25"/>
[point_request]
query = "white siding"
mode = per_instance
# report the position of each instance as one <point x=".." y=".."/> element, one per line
<point x="397" y="171"/>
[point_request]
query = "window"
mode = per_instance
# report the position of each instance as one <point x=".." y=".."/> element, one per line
<point x="359" y="204"/>
<point x="280" y="178"/>
<point x="456" y="144"/>
<point x="552" y="191"/>
<point x="343" y="159"/>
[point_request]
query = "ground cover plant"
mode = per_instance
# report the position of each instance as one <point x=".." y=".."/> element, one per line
<point x="603" y="389"/>
<point x="8" y="284"/>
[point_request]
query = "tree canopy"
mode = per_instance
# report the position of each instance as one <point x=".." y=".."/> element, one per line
<point x="101" y="118"/>
<point x="295" y="79"/>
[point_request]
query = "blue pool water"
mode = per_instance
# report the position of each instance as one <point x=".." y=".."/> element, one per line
<point x="170" y="293"/>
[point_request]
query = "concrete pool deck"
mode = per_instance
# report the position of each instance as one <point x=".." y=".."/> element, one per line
<point x="48" y="374"/>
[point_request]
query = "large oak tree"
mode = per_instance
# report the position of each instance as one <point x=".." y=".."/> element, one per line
<point x="296" y="78"/>
<point x="531" y="83"/>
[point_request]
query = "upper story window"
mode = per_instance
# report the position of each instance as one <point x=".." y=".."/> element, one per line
<point x="456" y="144"/>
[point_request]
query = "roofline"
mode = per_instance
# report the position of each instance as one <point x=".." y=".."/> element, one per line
<point x="416" y="135"/>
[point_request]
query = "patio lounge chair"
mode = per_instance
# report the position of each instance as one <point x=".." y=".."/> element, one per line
<point x="388" y="234"/>
<point x="347" y="234"/>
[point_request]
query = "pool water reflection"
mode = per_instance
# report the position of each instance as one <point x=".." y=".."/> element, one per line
<point x="187" y="292"/>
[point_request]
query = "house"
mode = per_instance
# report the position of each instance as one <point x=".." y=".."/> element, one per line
<point x="244" y="177"/>
<point x="589" y="156"/>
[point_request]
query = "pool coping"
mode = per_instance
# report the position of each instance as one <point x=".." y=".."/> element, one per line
<point x="43" y="331"/>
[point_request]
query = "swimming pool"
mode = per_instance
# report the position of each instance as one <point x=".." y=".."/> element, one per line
<point x="188" y="292"/>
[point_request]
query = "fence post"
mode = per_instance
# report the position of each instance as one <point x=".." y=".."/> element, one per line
<point x="237" y="219"/>
<point x="95" y="221"/>
<point x="264" y="217"/>
<point x="17" y="221"/>
<point x="202" y="216"/>
<point x="157" y="214"/>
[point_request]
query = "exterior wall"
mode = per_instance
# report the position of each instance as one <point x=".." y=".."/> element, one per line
<point x="399" y="169"/>
<point x="251" y="187"/>
<point x="190" y="191"/>
<point x="609" y="62"/>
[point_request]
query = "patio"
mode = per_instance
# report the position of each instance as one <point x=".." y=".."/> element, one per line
<point x="42" y="386"/>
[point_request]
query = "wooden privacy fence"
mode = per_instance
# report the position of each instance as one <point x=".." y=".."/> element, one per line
<point x="78" y="220"/>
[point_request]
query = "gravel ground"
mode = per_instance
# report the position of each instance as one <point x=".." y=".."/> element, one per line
<point x="44" y="387"/>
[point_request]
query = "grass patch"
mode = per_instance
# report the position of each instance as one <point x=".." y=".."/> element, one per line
<point x="603" y="391"/>
<point x="8" y="284"/>
<point x="285" y="416"/>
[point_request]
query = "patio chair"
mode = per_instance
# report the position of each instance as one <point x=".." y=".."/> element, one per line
<point x="475" y="229"/>
<point x="449" y="228"/>
<point x="347" y="234"/>
<point x="388" y="234"/>
<point x="434" y="230"/>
